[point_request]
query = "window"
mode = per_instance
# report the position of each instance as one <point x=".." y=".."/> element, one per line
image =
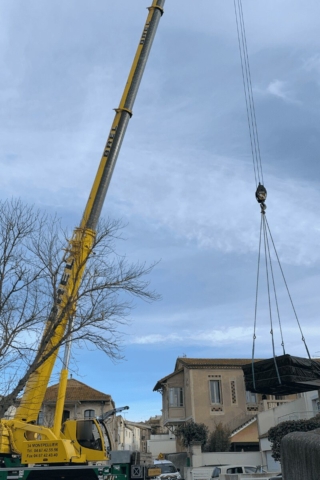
<point x="166" y="468"/>
<point x="251" y="397"/>
<point x="258" y="469"/>
<point x="65" y="415"/>
<point x="316" y="406"/>
<point x="216" y="472"/>
<point x="278" y="397"/>
<point x="40" y="420"/>
<point x="88" y="435"/>
<point x="215" y="391"/>
<point x="176" y="397"/>
<point x="233" y="392"/>
<point x="250" y="469"/>
<point x="235" y="470"/>
<point x="89" y="414"/>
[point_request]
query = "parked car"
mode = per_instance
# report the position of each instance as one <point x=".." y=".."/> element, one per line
<point x="168" y="470"/>
<point x="221" y="470"/>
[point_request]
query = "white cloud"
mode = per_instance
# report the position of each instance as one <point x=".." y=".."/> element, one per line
<point x="312" y="63"/>
<point x="185" y="171"/>
<point x="211" y="201"/>
<point x="224" y="336"/>
<point x="281" y="90"/>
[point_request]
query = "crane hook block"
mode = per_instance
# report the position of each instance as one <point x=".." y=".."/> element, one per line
<point x="261" y="193"/>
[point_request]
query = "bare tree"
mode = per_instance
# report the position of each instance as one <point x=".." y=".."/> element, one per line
<point x="32" y="259"/>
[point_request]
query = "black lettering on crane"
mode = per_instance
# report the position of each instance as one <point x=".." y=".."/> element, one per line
<point x="144" y="34"/>
<point x="64" y="279"/>
<point x="109" y="142"/>
<point x="70" y="265"/>
<point x="59" y="293"/>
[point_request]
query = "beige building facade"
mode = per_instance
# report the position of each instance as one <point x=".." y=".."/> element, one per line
<point x="211" y="391"/>
<point x="132" y="435"/>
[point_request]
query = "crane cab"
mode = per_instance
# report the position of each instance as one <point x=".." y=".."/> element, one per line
<point x="87" y="438"/>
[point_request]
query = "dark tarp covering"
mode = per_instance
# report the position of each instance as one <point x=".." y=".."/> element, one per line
<point x="296" y="374"/>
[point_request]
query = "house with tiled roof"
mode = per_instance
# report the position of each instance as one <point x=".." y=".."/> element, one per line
<point x="81" y="402"/>
<point x="212" y="391"/>
<point x="77" y="390"/>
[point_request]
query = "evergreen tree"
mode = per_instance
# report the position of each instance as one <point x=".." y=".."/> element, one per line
<point x="219" y="439"/>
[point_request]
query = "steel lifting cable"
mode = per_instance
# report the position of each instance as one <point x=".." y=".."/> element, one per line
<point x="247" y="87"/>
<point x="256" y="308"/>
<point x="268" y="268"/>
<point x="261" y="195"/>
<point x="261" y="192"/>
<point x="266" y="229"/>
<point x="268" y="263"/>
<point x="287" y="288"/>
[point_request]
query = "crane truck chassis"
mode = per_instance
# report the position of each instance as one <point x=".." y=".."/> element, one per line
<point x="121" y="466"/>
<point x="74" y="450"/>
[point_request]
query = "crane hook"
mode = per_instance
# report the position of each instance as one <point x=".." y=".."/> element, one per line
<point x="261" y="195"/>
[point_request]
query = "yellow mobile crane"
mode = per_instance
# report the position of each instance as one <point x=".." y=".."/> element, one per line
<point x="76" y="442"/>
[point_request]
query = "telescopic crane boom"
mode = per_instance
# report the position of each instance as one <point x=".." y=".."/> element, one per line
<point x="21" y="435"/>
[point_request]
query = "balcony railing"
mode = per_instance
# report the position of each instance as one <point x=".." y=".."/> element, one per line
<point x="296" y="416"/>
<point x="268" y="404"/>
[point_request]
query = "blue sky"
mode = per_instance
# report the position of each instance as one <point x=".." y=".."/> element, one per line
<point x="184" y="181"/>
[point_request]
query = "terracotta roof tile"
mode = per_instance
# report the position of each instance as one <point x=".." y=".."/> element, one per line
<point x="76" y="391"/>
<point x="212" y="362"/>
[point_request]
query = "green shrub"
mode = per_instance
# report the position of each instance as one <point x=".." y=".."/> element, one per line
<point x="192" y="432"/>
<point x="276" y="434"/>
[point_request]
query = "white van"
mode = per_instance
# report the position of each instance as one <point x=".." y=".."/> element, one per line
<point x="225" y="469"/>
<point x="168" y="470"/>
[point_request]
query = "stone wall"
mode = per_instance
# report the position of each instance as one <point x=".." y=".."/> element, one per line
<point x="300" y="455"/>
